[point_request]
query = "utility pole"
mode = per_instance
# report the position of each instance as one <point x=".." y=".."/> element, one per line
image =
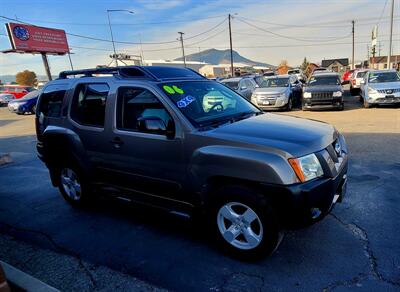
<point x="112" y="38"/>
<point x="183" y="48"/>
<point x="46" y="66"/>
<point x="111" y="32"/>
<point x="352" y="58"/>
<point x="230" y="42"/>
<point x="391" y="37"/>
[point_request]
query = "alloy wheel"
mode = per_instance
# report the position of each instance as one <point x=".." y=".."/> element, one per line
<point x="71" y="184"/>
<point x="240" y="226"/>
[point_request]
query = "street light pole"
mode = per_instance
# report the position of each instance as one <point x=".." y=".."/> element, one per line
<point x="230" y="43"/>
<point x="183" y="48"/>
<point x="391" y="37"/>
<point x="352" y="58"/>
<point x="111" y="32"/>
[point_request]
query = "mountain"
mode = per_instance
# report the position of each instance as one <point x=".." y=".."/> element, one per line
<point x="11" y="78"/>
<point x="215" y="57"/>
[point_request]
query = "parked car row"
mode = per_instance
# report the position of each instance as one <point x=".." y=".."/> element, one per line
<point x="27" y="104"/>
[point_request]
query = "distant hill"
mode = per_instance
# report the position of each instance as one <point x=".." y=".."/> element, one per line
<point x="11" y="78"/>
<point x="215" y="57"/>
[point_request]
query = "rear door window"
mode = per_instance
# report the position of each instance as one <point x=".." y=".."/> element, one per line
<point x="89" y="104"/>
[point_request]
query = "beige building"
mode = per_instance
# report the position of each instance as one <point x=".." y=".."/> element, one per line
<point x="172" y="63"/>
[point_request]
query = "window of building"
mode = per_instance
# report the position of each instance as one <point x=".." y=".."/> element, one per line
<point x="89" y="104"/>
<point x="134" y="103"/>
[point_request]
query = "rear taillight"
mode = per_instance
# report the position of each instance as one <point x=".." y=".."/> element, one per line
<point x="353" y="82"/>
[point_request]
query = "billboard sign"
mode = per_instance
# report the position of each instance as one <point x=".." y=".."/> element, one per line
<point x="35" y="39"/>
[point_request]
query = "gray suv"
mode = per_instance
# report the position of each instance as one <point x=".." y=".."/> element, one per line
<point x="170" y="138"/>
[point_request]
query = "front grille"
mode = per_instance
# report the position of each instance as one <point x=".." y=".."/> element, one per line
<point x="321" y="95"/>
<point x="262" y="100"/>
<point x="389" y="91"/>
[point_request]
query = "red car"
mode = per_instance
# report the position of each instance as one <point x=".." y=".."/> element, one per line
<point x="347" y="75"/>
<point x="17" y="90"/>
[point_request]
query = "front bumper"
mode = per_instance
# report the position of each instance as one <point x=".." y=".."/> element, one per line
<point x="310" y="103"/>
<point x="384" y="99"/>
<point x="311" y="201"/>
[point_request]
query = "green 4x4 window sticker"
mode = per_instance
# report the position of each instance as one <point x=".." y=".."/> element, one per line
<point x="172" y="90"/>
<point x="178" y="90"/>
<point x="168" y="89"/>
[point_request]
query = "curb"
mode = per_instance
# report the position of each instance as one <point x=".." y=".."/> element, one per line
<point x="5" y="159"/>
<point x="24" y="281"/>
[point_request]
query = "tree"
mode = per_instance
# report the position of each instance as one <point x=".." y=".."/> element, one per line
<point x="26" y="77"/>
<point x="305" y="64"/>
<point x="284" y="63"/>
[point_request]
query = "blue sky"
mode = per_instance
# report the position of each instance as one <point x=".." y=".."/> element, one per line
<point x="159" y="21"/>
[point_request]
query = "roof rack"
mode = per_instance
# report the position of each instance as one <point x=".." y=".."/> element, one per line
<point x="156" y="73"/>
<point x="126" y="71"/>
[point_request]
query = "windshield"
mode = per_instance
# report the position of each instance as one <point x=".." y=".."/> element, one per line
<point x="323" y="80"/>
<point x="205" y="102"/>
<point x="383" y="77"/>
<point x="232" y="84"/>
<point x="30" y="95"/>
<point x="275" y="82"/>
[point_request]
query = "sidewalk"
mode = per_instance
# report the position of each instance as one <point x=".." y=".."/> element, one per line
<point x="64" y="272"/>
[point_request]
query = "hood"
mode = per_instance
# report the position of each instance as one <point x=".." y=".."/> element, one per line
<point x="324" y="88"/>
<point x="271" y="90"/>
<point x="295" y="136"/>
<point x="385" y="85"/>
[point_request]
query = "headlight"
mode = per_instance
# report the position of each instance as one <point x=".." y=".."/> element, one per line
<point x="306" y="167"/>
<point x="372" y="91"/>
<point x="337" y="94"/>
<point x="307" y="94"/>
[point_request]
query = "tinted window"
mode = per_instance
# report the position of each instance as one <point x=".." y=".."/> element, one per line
<point x="275" y="82"/>
<point x="51" y="100"/>
<point x="232" y="84"/>
<point x="134" y="103"/>
<point x="89" y="104"/>
<point x="323" y="80"/>
<point x="361" y="74"/>
<point x="32" y="94"/>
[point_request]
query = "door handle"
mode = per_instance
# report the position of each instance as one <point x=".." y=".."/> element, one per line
<point x="117" y="142"/>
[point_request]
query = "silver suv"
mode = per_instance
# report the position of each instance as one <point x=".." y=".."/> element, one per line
<point x="170" y="138"/>
<point x="380" y="87"/>
<point x="242" y="85"/>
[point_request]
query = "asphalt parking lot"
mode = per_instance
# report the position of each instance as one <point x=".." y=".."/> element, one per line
<point x="357" y="246"/>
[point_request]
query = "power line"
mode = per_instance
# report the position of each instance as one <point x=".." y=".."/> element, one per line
<point x="122" y="42"/>
<point x="383" y="11"/>
<point x="124" y="24"/>
<point x="281" y="35"/>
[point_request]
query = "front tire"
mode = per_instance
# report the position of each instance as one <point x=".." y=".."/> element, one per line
<point x="289" y="105"/>
<point x="73" y="186"/>
<point x="245" y="223"/>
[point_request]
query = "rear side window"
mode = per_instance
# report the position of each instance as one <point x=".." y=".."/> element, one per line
<point x="89" y="104"/>
<point x="51" y="100"/>
<point x="361" y="74"/>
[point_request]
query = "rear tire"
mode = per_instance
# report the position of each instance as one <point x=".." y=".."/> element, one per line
<point x="244" y="222"/>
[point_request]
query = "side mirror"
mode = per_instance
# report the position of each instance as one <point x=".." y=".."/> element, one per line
<point x="155" y="125"/>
